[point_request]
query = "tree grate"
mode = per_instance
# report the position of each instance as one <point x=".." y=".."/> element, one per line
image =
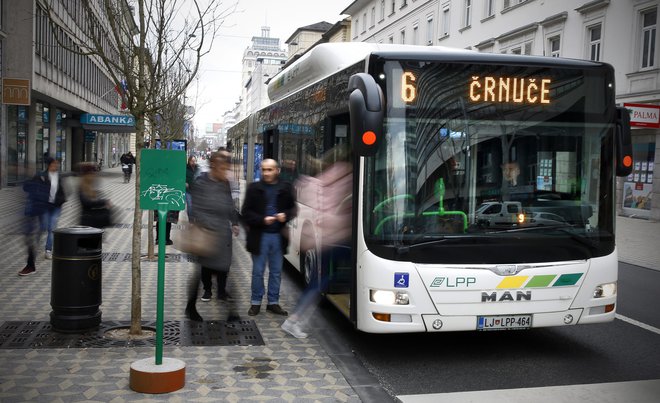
<point x="40" y="335"/>
<point x="169" y="257"/>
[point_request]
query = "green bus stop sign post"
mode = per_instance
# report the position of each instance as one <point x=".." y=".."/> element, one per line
<point x="162" y="188"/>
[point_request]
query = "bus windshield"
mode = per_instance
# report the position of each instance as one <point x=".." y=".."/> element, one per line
<point x="515" y="158"/>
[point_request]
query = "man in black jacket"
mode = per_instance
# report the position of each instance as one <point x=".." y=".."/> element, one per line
<point x="268" y="206"/>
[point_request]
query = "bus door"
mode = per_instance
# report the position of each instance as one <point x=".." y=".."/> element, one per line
<point x="336" y="258"/>
<point x="271" y="138"/>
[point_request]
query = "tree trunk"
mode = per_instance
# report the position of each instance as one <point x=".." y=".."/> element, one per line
<point x="136" y="275"/>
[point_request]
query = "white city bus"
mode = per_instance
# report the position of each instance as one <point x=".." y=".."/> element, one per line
<point x="435" y="133"/>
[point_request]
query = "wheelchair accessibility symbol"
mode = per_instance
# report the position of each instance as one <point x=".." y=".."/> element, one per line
<point x="401" y="280"/>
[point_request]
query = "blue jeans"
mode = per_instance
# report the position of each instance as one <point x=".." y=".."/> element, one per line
<point x="271" y="253"/>
<point x="49" y="223"/>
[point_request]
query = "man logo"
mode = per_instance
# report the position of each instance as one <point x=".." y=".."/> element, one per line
<point x="506" y="296"/>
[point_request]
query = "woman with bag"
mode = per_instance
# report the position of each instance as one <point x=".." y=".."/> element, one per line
<point x="96" y="211"/>
<point x="213" y="211"/>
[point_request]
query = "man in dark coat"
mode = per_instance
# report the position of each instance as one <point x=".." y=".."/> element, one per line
<point x="268" y="206"/>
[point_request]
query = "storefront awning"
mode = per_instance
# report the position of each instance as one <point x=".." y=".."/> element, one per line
<point x="109" y="128"/>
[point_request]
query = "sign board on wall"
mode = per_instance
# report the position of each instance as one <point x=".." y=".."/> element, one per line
<point x="15" y="91"/>
<point x="644" y="115"/>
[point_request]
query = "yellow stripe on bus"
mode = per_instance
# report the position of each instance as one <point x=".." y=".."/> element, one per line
<point x="513" y="282"/>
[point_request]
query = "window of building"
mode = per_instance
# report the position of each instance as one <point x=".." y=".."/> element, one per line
<point x="393" y="6"/>
<point x="520" y="49"/>
<point x="554" y="45"/>
<point x="415" y="38"/>
<point x="390" y="39"/>
<point x="490" y="8"/>
<point x="594" y="42"/>
<point x="429" y="30"/>
<point x="445" y="21"/>
<point x="382" y="10"/>
<point x="467" y="14"/>
<point x="373" y="16"/>
<point x="511" y="3"/>
<point x="364" y="22"/>
<point x="404" y="3"/>
<point x="356" y="27"/>
<point x="403" y="37"/>
<point x="649" y="19"/>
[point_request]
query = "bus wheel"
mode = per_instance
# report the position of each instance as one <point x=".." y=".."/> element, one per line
<point x="309" y="263"/>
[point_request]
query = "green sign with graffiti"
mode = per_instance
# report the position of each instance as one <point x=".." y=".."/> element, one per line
<point x="162" y="179"/>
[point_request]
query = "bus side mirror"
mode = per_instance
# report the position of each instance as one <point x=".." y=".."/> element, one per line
<point x="366" y="105"/>
<point x="623" y="143"/>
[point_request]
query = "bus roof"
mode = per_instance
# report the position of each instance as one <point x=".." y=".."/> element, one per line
<point x="325" y="59"/>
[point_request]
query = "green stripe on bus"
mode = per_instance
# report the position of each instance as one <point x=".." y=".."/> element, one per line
<point x="541" y="281"/>
<point x="567" y="279"/>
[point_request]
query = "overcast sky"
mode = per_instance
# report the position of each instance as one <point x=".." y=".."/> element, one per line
<point x="218" y="86"/>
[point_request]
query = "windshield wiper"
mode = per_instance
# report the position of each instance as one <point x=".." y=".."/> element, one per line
<point x="533" y="228"/>
<point x="559" y="227"/>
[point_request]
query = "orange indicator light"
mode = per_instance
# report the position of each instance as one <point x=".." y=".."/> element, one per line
<point x="627" y="161"/>
<point x="369" y="138"/>
<point x="383" y="317"/>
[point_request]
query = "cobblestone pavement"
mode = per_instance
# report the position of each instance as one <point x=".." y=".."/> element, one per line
<point x="284" y="369"/>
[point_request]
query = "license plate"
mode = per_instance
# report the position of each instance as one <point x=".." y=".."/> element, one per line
<point x="504" y="322"/>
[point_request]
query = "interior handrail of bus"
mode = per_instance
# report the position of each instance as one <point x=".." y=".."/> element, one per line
<point x="380" y="205"/>
<point x="440" y="190"/>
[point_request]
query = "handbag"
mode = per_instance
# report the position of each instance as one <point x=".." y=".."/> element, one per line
<point x="196" y="240"/>
<point x="97" y="217"/>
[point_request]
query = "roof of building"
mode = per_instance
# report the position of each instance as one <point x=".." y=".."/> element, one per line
<point x="322" y="27"/>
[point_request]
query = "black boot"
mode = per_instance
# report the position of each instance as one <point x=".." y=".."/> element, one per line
<point x="191" y="312"/>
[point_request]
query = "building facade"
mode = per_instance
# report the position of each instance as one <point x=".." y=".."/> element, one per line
<point x="305" y="37"/>
<point x="261" y="60"/>
<point x="621" y="33"/>
<point x="54" y="89"/>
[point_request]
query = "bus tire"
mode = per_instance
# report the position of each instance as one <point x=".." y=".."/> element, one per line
<point x="308" y="263"/>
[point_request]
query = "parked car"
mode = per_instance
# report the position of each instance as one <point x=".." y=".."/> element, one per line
<point x="492" y="214"/>
<point x="542" y="218"/>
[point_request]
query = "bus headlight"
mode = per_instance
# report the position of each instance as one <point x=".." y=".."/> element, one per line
<point x="605" y="290"/>
<point x="385" y="297"/>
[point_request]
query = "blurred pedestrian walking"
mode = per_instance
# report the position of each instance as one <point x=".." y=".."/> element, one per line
<point x="127" y="160"/>
<point x="233" y="183"/>
<point x="333" y="216"/>
<point x="192" y="172"/>
<point x="269" y="204"/>
<point x="36" y="203"/>
<point x="96" y="211"/>
<point x="214" y="211"/>
<point x="56" y="198"/>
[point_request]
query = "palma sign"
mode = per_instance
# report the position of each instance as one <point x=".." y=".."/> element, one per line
<point x="644" y="115"/>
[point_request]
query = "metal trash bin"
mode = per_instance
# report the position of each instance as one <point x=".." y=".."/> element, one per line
<point x="75" y="293"/>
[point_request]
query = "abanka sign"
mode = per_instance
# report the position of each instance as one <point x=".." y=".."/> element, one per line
<point x="113" y="120"/>
<point x="644" y="115"/>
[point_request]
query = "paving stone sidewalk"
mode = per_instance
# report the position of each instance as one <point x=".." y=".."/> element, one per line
<point x="284" y="369"/>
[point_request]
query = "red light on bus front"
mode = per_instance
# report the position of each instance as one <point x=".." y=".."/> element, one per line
<point x="369" y="138"/>
<point x="627" y="161"/>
